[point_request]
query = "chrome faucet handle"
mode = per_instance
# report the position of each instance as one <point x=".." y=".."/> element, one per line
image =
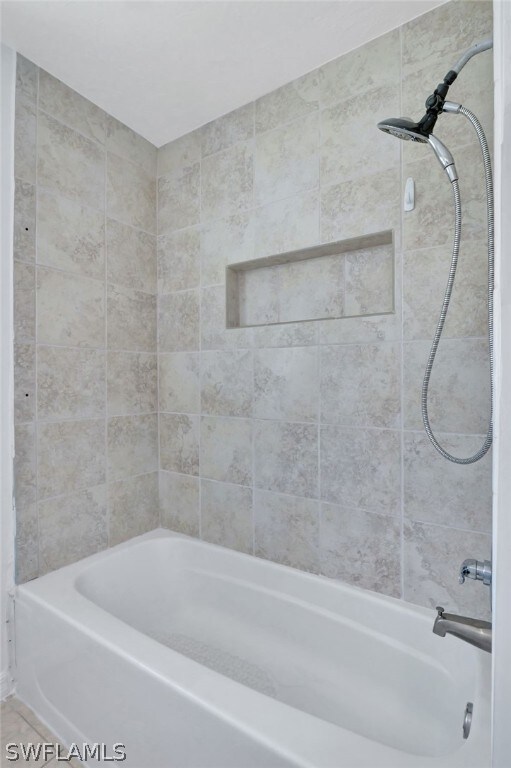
<point x="440" y="610"/>
<point x="475" y="569"/>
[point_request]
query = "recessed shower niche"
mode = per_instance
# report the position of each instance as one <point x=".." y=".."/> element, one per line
<point x="347" y="278"/>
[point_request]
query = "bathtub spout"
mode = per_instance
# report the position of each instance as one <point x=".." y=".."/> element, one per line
<point x="473" y="631"/>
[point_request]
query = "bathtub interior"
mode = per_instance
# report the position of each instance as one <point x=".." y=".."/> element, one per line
<point x="368" y="665"/>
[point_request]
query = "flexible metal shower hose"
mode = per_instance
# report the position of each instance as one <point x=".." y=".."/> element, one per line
<point x="447" y="297"/>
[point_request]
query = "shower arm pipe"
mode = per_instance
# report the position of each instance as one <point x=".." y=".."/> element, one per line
<point x="435" y="102"/>
<point x="484" y="45"/>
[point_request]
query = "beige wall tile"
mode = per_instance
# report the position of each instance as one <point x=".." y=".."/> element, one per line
<point x="361" y="468"/>
<point x="459" y="395"/>
<point x="350" y="144"/>
<point x="432" y="220"/>
<point x="228" y="130"/>
<point x="213" y="331"/>
<point x="312" y="289"/>
<point x="286" y="384"/>
<point x="438" y="491"/>
<point x="179" y="502"/>
<point x="132" y="507"/>
<point x="179" y="200"/>
<point x="227" y="181"/>
<point x="132" y="383"/>
<point x="179" y="443"/>
<point x="66" y="105"/>
<point x="292" y="100"/>
<point x="432" y="558"/>
<point x="424" y="280"/>
<point x="360" y="330"/>
<point x="131" y="257"/>
<point x="70" y="310"/>
<point x="179" y="260"/>
<point x="26" y="79"/>
<point x="178" y="321"/>
<point x="25" y="133"/>
<point x="179" y="387"/>
<point x="226" y="449"/>
<point x="369" y="281"/>
<point x="68" y="287"/>
<point x="69" y="236"/>
<point x="70" y="456"/>
<point x="24" y="303"/>
<point x="131" y="319"/>
<point x="24" y="221"/>
<point x="132" y="445"/>
<point x="223" y="242"/>
<point x="286" y="457"/>
<point x="361" y="548"/>
<point x="181" y="152"/>
<point x="286" y="160"/>
<point x="70" y="383"/>
<point x="291" y="292"/>
<point x="258" y="296"/>
<point x="370" y="66"/>
<point x="72" y="527"/>
<point x="359" y="207"/>
<point x="361" y="385"/>
<point x="130" y="193"/>
<point x="27" y="544"/>
<point x="226" y="515"/>
<point x="452" y="27"/>
<point x="227" y="382"/>
<point x="69" y="163"/>
<point x="287" y="225"/>
<point x="287" y="530"/>
<point x="124" y="142"/>
<point x="286" y="335"/>
<point x="25" y="471"/>
<point x="24" y="382"/>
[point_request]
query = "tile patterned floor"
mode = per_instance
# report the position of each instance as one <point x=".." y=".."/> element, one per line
<point x="19" y="724"/>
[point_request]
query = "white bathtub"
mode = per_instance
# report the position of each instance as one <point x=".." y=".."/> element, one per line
<point x="195" y="656"/>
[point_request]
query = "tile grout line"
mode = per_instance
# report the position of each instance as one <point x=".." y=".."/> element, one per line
<point x="353" y="507"/>
<point x="101" y="280"/>
<point x="84" y="488"/>
<point x="77" y="202"/>
<point x="96" y="142"/>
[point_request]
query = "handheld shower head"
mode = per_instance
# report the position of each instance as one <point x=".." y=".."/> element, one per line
<point x="406" y="129"/>
<point x="403" y="128"/>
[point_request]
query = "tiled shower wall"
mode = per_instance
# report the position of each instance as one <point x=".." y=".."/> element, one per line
<point x="303" y="443"/>
<point x="85" y="327"/>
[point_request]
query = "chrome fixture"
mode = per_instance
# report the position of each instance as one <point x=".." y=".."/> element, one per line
<point x="467" y="720"/>
<point x="475" y="569"/>
<point x="407" y="130"/>
<point x="473" y="631"/>
<point x="422" y="131"/>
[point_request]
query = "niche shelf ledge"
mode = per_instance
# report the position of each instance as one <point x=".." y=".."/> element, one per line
<point x="346" y="278"/>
